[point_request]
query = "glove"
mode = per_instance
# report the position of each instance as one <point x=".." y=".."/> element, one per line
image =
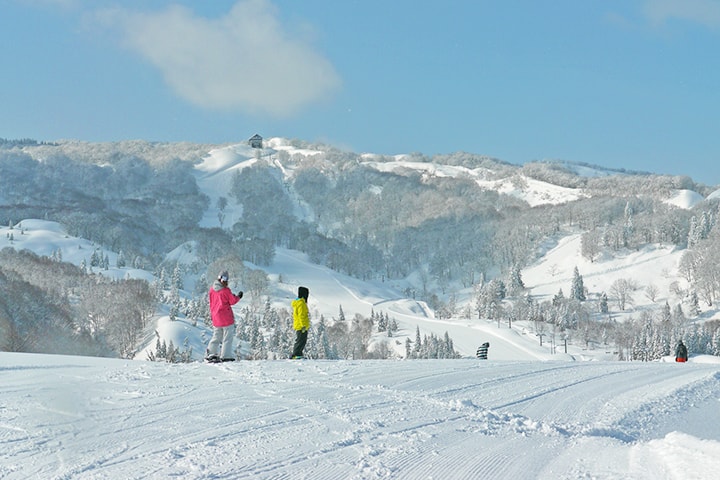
<point x="239" y="294"/>
<point x="304" y="330"/>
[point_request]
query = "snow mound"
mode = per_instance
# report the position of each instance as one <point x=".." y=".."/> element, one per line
<point x="685" y="199"/>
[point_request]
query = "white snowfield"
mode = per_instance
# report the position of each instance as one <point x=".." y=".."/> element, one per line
<point x="67" y="417"/>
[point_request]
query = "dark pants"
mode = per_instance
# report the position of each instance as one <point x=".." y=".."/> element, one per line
<point x="300" y="341"/>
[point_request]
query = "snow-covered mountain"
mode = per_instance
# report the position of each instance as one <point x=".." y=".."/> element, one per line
<point x="220" y="163"/>
<point x="533" y="410"/>
<point x="653" y="265"/>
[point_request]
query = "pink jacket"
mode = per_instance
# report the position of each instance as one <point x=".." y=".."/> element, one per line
<point x="221" y="301"/>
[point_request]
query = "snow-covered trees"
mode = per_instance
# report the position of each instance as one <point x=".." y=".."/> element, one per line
<point x="701" y="267"/>
<point x="590" y="246"/>
<point x="56" y="307"/>
<point x="432" y="347"/>
<point x="603" y="303"/>
<point x="267" y="333"/>
<point x="577" y="289"/>
<point x="489" y="299"/>
<point x="264" y="222"/>
<point x="515" y="284"/>
<point x="622" y="289"/>
<point x="700" y="228"/>
<point x="384" y="323"/>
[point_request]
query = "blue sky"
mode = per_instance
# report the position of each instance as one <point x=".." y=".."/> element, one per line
<point x="631" y="84"/>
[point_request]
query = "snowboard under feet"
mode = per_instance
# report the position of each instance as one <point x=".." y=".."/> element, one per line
<point x="213" y="359"/>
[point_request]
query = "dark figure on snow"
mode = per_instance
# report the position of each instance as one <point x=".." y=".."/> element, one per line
<point x="482" y="351"/>
<point x="223" y="320"/>
<point x="301" y="321"/>
<point x="681" y="354"/>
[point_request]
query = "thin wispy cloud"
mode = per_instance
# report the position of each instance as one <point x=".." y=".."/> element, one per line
<point x="704" y="12"/>
<point x="243" y="61"/>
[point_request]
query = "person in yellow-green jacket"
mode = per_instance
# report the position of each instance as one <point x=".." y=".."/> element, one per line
<point x="301" y="321"/>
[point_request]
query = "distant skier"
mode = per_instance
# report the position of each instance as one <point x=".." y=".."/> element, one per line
<point x="681" y="354"/>
<point x="223" y="320"/>
<point x="301" y="321"/>
<point x="482" y="351"/>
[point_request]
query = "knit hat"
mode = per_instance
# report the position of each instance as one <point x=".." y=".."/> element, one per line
<point x="223" y="277"/>
<point x="303" y="292"/>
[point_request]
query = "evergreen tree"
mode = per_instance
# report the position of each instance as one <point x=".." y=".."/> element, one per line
<point x="95" y="258"/>
<point x="418" y="341"/>
<point x="162" y="279"/>
<point x="694" y="233"/>
<point x="678" y="316"/>
<point x="665" y="314"/>
<point x="515" y="283"/>
<point x="382" y="323"/>
<point x="120" y="262"/>
<point x="604" y="303"/>
<point x="341" y="315"/>
<point x="694" y="304"/>
<point x="324" y="349"/>
<point x="177" y="278"/>
<point x="577" y="290"/>
<point x="392" y="327"/>
<point x="716" y="343"/>
<point x="489" y="299"/>
<point x="257" y="342"/>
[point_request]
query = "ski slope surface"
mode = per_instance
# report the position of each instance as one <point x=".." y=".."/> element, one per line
<point x="67" y="417"/>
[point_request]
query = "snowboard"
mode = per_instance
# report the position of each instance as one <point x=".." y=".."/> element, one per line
<point x="217" y="359"/>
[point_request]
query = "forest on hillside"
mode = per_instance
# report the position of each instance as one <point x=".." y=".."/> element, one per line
<point x="142" y="200"/>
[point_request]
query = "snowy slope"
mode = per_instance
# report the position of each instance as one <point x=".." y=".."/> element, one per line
<point x="216" y="171"/>
<point x="654" y="268"/>
<point x="652" y="265"/>
<point x="214" y="178"/>
<point x="330" y="290"/>
<point x="91" y="418"/>
<point x="49" y="239"/>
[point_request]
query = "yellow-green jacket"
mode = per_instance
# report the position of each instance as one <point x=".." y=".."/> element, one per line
<point x="301" y="317"/>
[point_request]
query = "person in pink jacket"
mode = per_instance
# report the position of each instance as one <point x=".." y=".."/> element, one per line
<point x="223" y="320"/>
